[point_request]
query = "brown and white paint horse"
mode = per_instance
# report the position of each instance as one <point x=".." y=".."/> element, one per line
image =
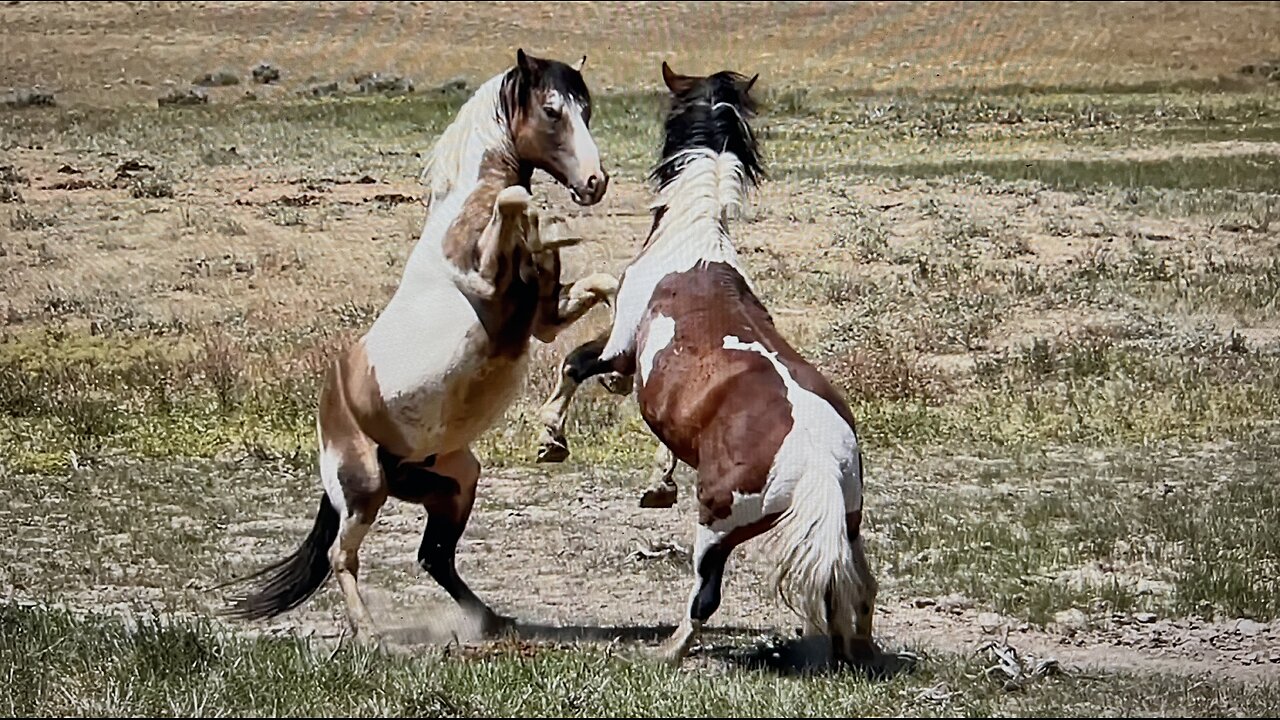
<point x="773" y="443"/>
<point x="400" y="408"/>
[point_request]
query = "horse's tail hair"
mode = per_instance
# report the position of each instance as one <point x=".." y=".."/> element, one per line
<point x="819" y="576"/>
<point x="295" y="578"/>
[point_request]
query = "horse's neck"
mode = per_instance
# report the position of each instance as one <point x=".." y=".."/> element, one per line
<point x="689" y="232"/>
<point x="455" y="225"/>
<point x="459" y="152"/>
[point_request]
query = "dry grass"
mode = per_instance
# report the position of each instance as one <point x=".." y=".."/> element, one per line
<point x="893" y="47"/>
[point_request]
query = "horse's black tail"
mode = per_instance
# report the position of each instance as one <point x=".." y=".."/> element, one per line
<point x="295" y="578"/>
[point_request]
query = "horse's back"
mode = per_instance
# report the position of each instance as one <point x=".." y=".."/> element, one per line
<point x="714" y="304"/>
<point x="724" y="389"/>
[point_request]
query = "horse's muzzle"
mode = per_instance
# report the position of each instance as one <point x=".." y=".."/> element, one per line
<point x="592" y="191"/>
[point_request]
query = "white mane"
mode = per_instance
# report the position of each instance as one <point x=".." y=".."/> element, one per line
<point x="710" y="185"/>
<point x="452" y="171"/>
<point x="456" y="154"/>
<point x="709" y="191"/>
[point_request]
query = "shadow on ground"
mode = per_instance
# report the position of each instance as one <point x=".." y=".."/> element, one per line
<point x="735" y="647"/>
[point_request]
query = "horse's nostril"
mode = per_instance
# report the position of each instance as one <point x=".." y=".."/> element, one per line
<point x="592" y="183"/>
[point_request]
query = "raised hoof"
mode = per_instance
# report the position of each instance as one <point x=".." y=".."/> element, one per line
<point x="662" y="496"/>
<point x="513" y="199"/>
<point x="553" y="450"/>
<point x="617" y="383"/>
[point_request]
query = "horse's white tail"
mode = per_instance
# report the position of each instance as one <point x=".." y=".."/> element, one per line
<point x="814" y="550"/>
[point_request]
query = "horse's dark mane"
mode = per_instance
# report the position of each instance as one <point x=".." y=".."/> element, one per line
<point x="714" y="113"/>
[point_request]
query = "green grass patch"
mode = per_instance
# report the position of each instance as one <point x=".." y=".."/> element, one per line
<point x="342" y="134"/>
<point x="804" y="132"/>
<point x="1146" y="529"/>
<point x="60" y="666"/>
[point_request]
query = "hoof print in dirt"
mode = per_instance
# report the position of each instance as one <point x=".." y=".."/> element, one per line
<point x="28" y="98"/>
<point x="221" y="78"/>
<point x="190" y="96"/>
<point x="264" y="73"/>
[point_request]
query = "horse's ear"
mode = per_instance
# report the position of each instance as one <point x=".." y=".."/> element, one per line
<point x="581" y="63"/>
<point x="524" y="63"/>
<point x="747" y="87"/>
<point x="676" y="82"/>
<point x="669" y="76"/>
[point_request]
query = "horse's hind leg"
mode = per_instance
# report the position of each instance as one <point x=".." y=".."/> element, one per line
<point x="355" y="486"/>
<point x="448" y="510"/>
<point x="710" y="553"/>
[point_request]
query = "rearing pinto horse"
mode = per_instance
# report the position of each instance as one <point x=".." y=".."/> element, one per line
<point x="773" y="443"/>
<point x="400" y="408"/>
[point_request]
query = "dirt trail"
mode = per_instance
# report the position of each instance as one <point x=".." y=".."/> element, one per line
<point x="574" y="559"/>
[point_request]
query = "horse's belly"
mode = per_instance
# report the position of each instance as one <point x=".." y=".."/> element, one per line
<point x="440" y="387"/>
<point x="477" y="399"/>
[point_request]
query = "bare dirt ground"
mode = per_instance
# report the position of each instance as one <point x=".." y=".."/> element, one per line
<point x="575" y="559"/>
<point x="260" y="248"/>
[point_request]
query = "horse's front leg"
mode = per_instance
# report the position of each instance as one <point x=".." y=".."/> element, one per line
<point x="571" y="303"/>
<point x="508" y="224"/>
<point x="582" y="363"/>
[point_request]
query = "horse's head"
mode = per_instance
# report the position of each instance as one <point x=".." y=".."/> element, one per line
<point x="550" y="117"/>
<point x="725" y="86"/>
<point x="709" y="112"/>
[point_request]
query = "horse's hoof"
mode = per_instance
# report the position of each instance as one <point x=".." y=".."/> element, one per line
<point x="662" y="496"/>
<point x="617" y="383"/>
<point x="553" y="451"/>
<point x="668" y="655"/>
<point x="513" y="199"/>
<point x="497" y="626"/>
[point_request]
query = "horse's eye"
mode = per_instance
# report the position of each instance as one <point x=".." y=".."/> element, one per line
<point x="553" y="113"/>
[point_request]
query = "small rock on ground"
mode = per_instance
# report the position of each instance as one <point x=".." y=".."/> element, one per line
<point x="264" y="73"/>
<point x="28" y="98"/>
<point x="190" y="96"/>
<point x="217" y="79"/>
